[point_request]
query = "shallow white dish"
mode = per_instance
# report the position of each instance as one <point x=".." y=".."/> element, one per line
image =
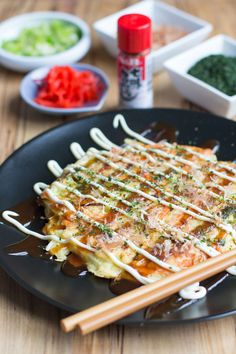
<point x="196" y="90"/>
<point x="29" y="88"/>
<point x="160" y="14"/>
<point x="11" y="28"/>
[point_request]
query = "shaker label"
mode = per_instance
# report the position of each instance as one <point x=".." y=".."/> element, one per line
<point x="134" y="83"/>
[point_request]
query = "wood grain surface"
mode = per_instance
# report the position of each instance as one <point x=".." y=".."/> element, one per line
<point x="31" y="326"/>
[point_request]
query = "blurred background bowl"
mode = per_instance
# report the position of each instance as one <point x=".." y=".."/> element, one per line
<point x="195" y="90"/>
<point x="11" y="28"/>
<point x="161" y="14"/>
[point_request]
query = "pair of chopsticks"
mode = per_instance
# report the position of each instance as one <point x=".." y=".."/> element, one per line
<point x="114" y="309"/>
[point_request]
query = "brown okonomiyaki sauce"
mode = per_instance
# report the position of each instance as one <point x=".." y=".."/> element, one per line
<point x="158" y="131"/>
<point x="73" y="266"/>
<point x="123" y="285"/>
<point x="31" y="246"/>
<point x="161" y="131"/>
<point x="30" y="212"/>
<point x="211" y="144"/>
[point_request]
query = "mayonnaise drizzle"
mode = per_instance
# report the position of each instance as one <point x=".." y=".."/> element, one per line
<point x="55" y="168"/>
<point x="104" y="190"/>
<point x="97" y="200"/>
<point x="128" y="269"/>
<point x="96" y="153"/>
<point x="140" y="148"/>
<point x="157" y="172"/>
<point x="227" y="227"/>
<point x="193" y="292"/>
<point x="77" y="150"/>
<point x="39" y="187"/>
<point x="222" y="175"/>
<point x="119" y="119"/>
<point x="153" y="198"/>
<point x="7" y="215"/>
<point x="66" y="203"/>
<point x="201" y="156"/>
<point x="84" y="217"/>
<point x="132" y="162"/>
<point x="215" y="185"/>
<point x="143" y="194"/>
<point x="81" y="215"/>
<point x="131" y="244"/>
<point x="210" y="251"/>
<point x="100" y="139"/>
<point x="175" y="168"/>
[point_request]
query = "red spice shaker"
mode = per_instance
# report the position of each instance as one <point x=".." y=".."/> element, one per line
<point x="134" y="61"/>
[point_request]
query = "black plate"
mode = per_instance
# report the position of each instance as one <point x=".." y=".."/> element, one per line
<point x="28" y="165"/>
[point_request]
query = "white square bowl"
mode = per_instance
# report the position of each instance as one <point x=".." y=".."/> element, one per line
<point x="196" y="90"/>
<point x="161" y="14"/>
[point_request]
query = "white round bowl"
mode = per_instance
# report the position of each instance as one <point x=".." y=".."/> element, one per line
<point x="12" y="27"/>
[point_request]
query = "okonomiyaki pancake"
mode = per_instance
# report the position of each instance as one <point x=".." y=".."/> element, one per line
<point x="143" y="210"/>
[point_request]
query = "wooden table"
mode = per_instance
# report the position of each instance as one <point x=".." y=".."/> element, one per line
<point x="31" y="326"/>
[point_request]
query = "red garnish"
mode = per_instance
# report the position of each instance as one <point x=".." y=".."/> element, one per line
<point x="65" y="87"/>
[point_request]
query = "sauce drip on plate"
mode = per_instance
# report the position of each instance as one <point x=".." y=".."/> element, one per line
<point x="30" y="212"/>
<point x="73" y="266"/>
<point x="212" y="144"/>
<point x="31" y="246"/>
<point x="158" y="131"/>
<point x="121" y="286"/>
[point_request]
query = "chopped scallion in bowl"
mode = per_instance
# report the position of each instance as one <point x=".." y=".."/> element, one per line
<point x="45" y="38"/>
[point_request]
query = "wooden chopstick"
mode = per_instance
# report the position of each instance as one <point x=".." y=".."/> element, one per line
<point x="114" y="309"/>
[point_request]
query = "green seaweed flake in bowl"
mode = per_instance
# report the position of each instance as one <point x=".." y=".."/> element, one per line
<point x="45" y="38"/>
<point x="218" y="71"/>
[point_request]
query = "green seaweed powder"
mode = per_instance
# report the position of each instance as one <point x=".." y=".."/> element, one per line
<point x="218" y="71"/>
